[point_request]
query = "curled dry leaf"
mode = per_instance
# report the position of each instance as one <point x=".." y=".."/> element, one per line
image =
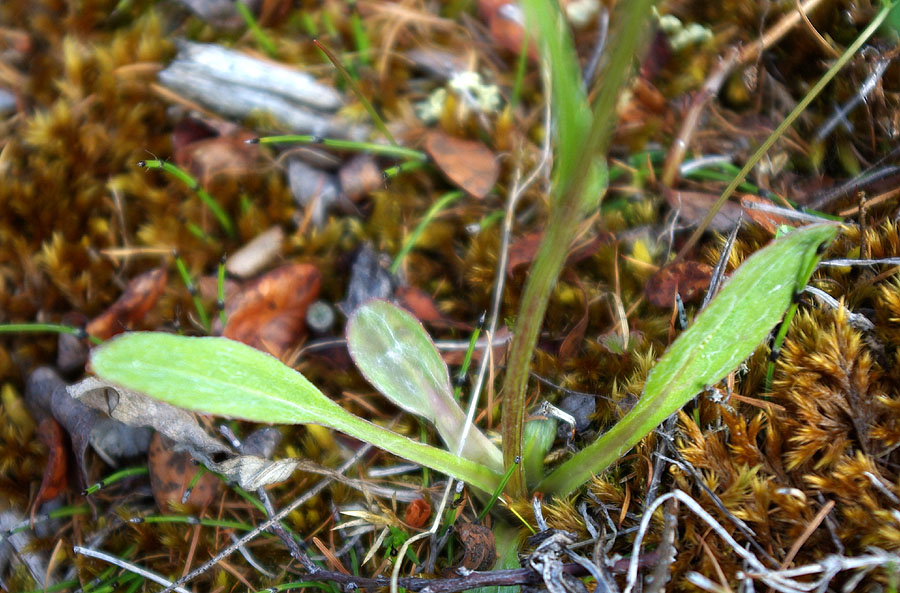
<point x="140" y="296"/>
<point x="251" y="472"/>
<point x="136" y="409"/>
<point x="417" y="512"/>
<point x="46" y="397"/>
<point x="54" y="481"/>
<point x="469" y="164"/>
<point x="479" y="547"/>
<point x="171" y="472"/>
<point x="270" y="313"/>
<point x="688" y="278"/>
<point x="79" y="421"/>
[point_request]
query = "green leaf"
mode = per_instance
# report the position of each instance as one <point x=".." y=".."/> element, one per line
<point x="539" y="437"/>
<point x="394" y="352"/>
<point x="571" y="111"/>
<point x="722" y="336"/>
<point x="227" y="378"/>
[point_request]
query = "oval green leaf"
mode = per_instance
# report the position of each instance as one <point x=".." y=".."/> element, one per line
<point x="396" y="355"/>
<point x="722" y="336"/>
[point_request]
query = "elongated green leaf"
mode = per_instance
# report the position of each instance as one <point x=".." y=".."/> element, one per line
<point x="722" y="336"/>
<point x="394" y="352"/>
<point x="571" y="110"/>
<point x="227" y="378"/>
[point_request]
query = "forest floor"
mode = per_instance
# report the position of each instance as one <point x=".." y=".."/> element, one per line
<point x="436" y="197"/>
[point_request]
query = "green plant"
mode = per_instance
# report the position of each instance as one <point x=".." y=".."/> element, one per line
<point x="392" y="349"/>
<point x="394" y="352"/>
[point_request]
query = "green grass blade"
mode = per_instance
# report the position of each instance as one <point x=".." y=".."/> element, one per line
<point x="722" y="336"/>
<point x="227" y="378"/>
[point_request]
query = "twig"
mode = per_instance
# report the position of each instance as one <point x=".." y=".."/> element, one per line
<point x="170" y="586"/>
<point x="867" y="87"/>
<point x="472" y="580"/>
<point x="273" y="520"/>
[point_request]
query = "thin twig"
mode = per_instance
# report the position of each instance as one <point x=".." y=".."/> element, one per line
<point x="273" y="520"/>
<point x="170" y="586"/>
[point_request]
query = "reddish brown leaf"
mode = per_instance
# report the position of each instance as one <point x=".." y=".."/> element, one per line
<point x="767" y="220"/>
<point x="228" y="155"/>
<point x="417" y="513"/>
<point x="467" y="163"/>
<point x="688" y="278"/>
<point x="508" y="33"/>
<point x="269" y="313"/>
<point x="419" y="303"/>
<point x="54" y="481"/>
<point x="692" y="207"/>
<point x="523" y="250"/>
<point x="140" y="296"/>
<point x="171" y="473"/>
<point x="479" y="547"/>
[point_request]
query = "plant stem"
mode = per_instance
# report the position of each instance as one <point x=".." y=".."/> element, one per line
<point x="568" y="211"/>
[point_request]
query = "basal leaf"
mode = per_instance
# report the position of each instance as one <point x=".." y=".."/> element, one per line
<point x="227" y="378"/>
<point x="394" y="352"/>
<point x="722" y="336"/>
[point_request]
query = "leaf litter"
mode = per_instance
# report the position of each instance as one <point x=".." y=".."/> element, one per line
<point x="83" y="236"/>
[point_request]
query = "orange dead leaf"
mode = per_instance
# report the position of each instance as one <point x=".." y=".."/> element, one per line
<point x="422" y="306"/>
<point x="54" y="481"/>
<point x="140" y="296"/>
<point x="171" y="474"/>
<point x="417" y="513"/>
<point x="767" y="220"/>
<point x="270" y="312"/>
<point x="467" y="163"/>
<point x="687" y="278"/>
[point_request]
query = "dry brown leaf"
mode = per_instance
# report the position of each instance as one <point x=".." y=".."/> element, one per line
<point x="171" y="473"/>
<point x="692" y="207"/>
<point x="469" y="164"/>
<point x="270" y="313"/>
<point x="688" y="278"/>
<point x="136" y="409"/>
<point x="422" y="306"/>
<point x="141" y="295"/>
<point x="54" y="481"/>
<point x="417" y="512"/>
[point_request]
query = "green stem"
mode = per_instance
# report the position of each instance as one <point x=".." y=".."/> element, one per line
<point x="379" y="123"/>
<point x="370" y="147"/>
<point x="58" y="328"/>
<point x="568" y="211"/>
<point x="187" y="179"/>
<point x="261" y="38"/>
<point x="437" y="207"/>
